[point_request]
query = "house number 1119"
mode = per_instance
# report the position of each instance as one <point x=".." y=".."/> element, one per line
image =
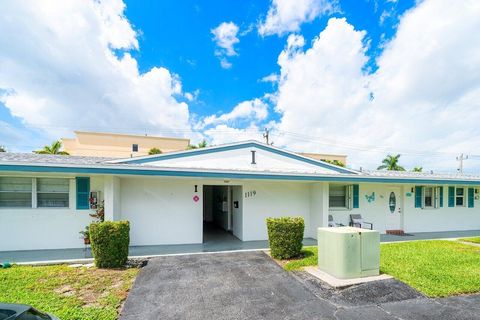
<point x="249" y="194"/>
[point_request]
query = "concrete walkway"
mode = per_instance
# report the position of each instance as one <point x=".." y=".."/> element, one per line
<point x="214" y="241"/>
<point x="430" y="235"/>
<point x="249" y="285"/>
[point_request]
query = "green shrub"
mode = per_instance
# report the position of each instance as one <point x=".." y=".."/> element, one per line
<point x="110" y="240"/>
<point x="285" y="236"/>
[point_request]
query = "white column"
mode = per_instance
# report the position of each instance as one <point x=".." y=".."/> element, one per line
<point x="318" y="207"/>
<point x="112" y="198"/>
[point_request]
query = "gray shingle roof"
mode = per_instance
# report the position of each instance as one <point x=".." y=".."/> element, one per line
<point x="45" y="159"/>
<point x="50" y="159"/>
<point x="421" y="175"/>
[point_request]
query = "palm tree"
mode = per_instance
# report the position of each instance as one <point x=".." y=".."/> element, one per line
<point x="391" y="163"/>
<point x="154" y="151"/>
<point x="53" y="149"/>
<point x="417" y="169"/>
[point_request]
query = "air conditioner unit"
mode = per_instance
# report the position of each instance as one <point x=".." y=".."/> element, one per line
<point x="348" y="252"/>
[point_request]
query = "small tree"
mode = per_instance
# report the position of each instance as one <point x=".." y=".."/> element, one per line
<point x="110" y="240"/>
<point x="334" y="162"/>
<point x="285" y="236"/>
<point x="54" y="148"/>
<point x="2" y="149"/>
<point x="154" y="151"/>
<point x="201" y="144"/>
<point x="417" y="169"/>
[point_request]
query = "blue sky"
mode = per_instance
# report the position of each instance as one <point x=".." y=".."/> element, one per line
<point x="364" y="78"/>
<point x="177" y="35"/>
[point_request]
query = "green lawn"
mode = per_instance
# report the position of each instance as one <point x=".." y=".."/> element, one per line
<point x="436" y="268"/>
<point x="473" y="240"/>
<point x="309" y="258"/>
<point x="69" y="293"/>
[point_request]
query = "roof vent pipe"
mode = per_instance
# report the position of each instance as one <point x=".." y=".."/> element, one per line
<point x="253" y="156"/>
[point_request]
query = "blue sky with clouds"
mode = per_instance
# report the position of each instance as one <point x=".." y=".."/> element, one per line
<point x="362" y="78"/>
<point x="177" y="35"/>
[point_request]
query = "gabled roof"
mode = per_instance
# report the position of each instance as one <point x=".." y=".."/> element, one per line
<point x="234" y="146"/>
<point x="36" y="163"/>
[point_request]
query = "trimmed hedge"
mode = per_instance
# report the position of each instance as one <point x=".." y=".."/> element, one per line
<point x="285" y="236"/>
<point x="110" y="240"/>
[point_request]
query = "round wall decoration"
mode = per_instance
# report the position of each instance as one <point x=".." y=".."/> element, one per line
<point x="196" y="198"/>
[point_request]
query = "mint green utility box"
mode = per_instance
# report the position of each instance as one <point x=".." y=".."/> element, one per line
<point x="348" y="252"/>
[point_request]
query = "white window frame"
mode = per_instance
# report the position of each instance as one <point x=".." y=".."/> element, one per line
<point x="31" y="194"/>
<point x="348" y="199"/>
<point x="435" y="197"/>
<point x="465" y="190"/>
<point x="35" y="186"/>
<point x="34" y="195"/>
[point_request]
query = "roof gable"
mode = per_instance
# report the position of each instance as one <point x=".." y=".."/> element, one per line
<point x="238" y="156"/>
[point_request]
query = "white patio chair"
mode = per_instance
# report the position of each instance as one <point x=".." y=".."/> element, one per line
<point x="332" y="223"/>
<point x="356" y="220"/>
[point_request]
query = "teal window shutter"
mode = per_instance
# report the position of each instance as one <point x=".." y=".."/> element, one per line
<point x="356" y="203"/>
<point x="83" y="193"/>
<point x="470" y="202"/>
<point x="441" y="196"/>
<point x="418" y="196"/>
<point x="451" y="196"/>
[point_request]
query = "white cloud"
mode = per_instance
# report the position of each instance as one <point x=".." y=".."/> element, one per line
<point x="59" y="70"/>
<point x="286" y="15"/>
<point x="252" y="110"/>
<point x="223" y="133"/>
<point x="272" y="77"/>
<point x="426" y="91"/>
<point x="225" y="37"/>
<point x="192" y="96"/>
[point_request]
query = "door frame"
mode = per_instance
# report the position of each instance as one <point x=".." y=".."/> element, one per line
<point x="230" y="208"/>
<point x="400" y="207"/>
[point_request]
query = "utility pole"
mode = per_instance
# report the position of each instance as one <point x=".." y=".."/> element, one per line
<point x="266" y="136"/>
<point x="460" y="159"/>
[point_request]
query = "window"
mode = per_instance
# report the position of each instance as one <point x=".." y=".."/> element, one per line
<point x="20" y="192"/>
<point x="339" y="197"/>
<point x="135" y="147"/>
<point x="52" y="193"/>
<point x="460" y="197"/>
<point x="428" y="197"/>
<point x="15" y="192"/>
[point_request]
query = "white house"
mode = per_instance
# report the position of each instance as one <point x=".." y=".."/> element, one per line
<point x="46" y="200"/>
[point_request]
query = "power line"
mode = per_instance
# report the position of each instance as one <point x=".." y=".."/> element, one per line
<point x="267" y="134"/>
<point x="364" y="148"/>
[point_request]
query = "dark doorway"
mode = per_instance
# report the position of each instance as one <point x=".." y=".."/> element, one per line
<point x="219" y="205"/>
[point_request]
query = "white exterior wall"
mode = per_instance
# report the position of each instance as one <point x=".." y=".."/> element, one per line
<point x="374" y="212"/>
<point x="441" y="219"/>
<point x="46" y="228"/>
<point x="318" y="207"/>
<point x="273" y="199"/>
<point x="162" y="210"/>
<point x="112" y="198"/>
<point x="412" y="219"/>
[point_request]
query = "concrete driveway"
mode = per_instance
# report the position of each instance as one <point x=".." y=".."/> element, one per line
<point x="249" y="285"/>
